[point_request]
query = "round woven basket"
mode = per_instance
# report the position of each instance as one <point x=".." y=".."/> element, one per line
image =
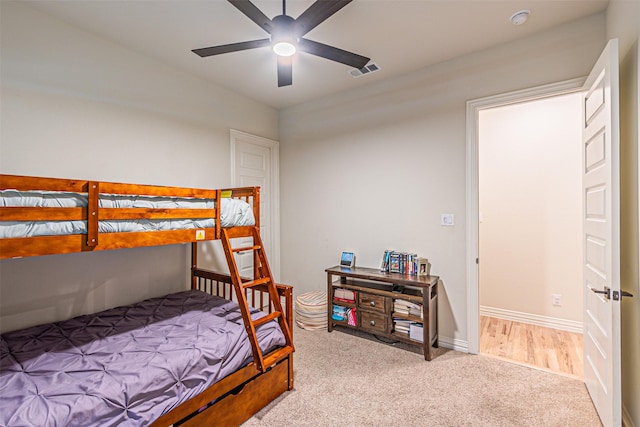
<point x="311" y="310"/>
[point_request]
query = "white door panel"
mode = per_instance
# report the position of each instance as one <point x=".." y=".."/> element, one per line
<point x="255" y="164"/>
<point x="601" y="229"/>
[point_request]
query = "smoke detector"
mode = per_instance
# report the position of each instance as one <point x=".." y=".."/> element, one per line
<point x="367" y="69"/>
<point x="520" y="17"/>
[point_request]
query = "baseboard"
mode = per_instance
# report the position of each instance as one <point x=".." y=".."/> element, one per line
<point x="454" y="344"/>
<point x="532" y="319"/>
<point x="626" y="418"/>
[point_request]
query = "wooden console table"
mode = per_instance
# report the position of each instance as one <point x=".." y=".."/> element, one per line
<point x="374" y="297"/>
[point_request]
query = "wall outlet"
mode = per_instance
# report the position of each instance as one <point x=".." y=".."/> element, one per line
<point x="447" y="220"/>
<point x="556" y="299"/>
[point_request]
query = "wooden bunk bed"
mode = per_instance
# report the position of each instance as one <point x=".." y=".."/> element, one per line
<point x="97" y="208"/>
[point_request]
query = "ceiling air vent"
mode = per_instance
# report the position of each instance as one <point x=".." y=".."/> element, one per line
<point x="367" y="69"/>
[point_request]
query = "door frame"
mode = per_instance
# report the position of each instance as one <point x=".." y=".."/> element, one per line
<point x="274" y="147"/>
<point x="472" y="183"/>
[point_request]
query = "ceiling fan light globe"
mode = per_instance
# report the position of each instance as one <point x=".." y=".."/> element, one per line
<point x="284" y="48"/>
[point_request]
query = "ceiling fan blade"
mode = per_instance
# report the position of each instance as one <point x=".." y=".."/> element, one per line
<point x="253" y="13"/>
<point x="332" y="53"/>
<point x="233" y="47"/>
<point x="316" y="13"/>
<point x="285" y="71"/>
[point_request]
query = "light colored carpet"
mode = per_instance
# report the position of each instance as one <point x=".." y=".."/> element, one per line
<point x="343" y="379"/>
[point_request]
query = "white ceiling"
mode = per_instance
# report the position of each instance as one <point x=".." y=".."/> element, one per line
<point x="400" y="36"/>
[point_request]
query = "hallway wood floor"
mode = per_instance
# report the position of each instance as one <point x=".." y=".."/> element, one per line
<point x="544" y="348"/>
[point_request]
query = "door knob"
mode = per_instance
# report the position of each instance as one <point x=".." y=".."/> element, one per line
<point x="618" y="295"/>
<point x="615" y="295"/>
<point x="606" y="292"/>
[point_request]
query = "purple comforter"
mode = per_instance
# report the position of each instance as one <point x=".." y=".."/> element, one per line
<point x="125" y="366"/>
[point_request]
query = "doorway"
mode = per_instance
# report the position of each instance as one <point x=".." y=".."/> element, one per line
<point x="474" y="107"/>
<point x="600" y="218"/>
<point x="530" y="243"/>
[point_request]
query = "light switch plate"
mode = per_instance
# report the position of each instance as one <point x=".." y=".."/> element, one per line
<point x="447" y="220"/>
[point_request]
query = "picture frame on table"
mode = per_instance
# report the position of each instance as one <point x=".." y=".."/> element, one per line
<point x="423" y="267"/>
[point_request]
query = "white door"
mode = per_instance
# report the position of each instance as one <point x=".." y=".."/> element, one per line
<point x="601" y="229"/>
<point x="254" y="162"/>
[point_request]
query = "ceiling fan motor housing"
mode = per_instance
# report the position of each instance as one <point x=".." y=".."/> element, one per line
<point x="283" y="37"/>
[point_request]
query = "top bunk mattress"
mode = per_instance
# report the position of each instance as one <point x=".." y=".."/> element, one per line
<point x="125" y="366"/>
<point x="233" y="212"/>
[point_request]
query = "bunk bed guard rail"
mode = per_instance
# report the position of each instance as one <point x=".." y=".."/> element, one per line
<point x="205" y="219"/>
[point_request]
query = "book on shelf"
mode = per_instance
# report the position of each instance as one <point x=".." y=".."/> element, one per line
<point x="384" y="266"/>
<point x="339" y="313"/>
<point x="416" y="332"/>
<point x="351" y="316"/>
<point x="394" y="262"/>
<point x="345" y="295"/>
<point x="400" y="262"/>
<point x="402" y="326"/>
<point x="413" y="330"/>
<point x="344" y="314"/>
<point x="407" y="308"/>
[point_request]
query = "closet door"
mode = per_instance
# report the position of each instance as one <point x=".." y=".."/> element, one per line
<point x="254" y="162"/>
<point x="601" y="228"/>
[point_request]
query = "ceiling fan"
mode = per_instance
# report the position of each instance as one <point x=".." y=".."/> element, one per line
<point x="287" y="36"/>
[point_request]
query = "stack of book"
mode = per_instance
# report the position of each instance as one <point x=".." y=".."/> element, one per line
<point x="339" y="313"/>
<point x="344" y="295"/>
<point x="407" y="308"/>
<point x="344" y="314"/>
<point x="401" y="326"/>
<point x="413" y="330"/>
<point x="404" y="263"/>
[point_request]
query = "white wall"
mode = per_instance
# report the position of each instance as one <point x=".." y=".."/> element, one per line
<point x="531" y="208"/>
<point x="623" y="22"/>
<point x="374" y="168"/>
<point x="77" y="106"/>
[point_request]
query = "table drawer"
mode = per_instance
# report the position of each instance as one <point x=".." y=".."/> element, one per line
<point x="372" y="302"/>
<point x="373" y="322"/>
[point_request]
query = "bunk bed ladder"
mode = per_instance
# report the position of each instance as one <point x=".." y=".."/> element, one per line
<point x="262" y="278"/>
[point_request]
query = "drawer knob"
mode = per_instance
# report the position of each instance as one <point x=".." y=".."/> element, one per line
<point x="373" y="322"/>
<point x="373" y="303"/>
